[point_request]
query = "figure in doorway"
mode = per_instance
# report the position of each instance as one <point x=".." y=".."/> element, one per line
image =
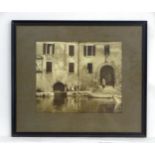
<point x="103" y="82"/>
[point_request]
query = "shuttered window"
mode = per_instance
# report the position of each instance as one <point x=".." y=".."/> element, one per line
<point x="48" y="49"/>
<point x="89" y="50"/>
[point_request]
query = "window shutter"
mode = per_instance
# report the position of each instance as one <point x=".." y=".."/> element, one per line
<point x="53" y="49"/>
<point x="48" y="48"/>
<point x="84" y="51"/>
<point x="44" y="48"/>
<point x="94" y="50"/>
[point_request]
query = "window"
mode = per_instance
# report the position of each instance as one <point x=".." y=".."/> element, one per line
<point x="107" y="50"/>
<point x="71" y="50"/>
<point x="90" y="68"/>
<point x="44" y="48"/>
<point x="48" y="49"/>
<point x="89" y="50"/>
<point x="53" y="49"/>
<point x="71" y="67"/>
<point x="48" y="67"/>
<point x="85" y="51"/>
<point x="94" y="50"/>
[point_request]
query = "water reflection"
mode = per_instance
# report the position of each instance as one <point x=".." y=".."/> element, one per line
<point x="60" y="102"/>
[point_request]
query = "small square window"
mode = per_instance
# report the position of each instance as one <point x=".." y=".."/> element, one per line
<point x="71" y="50"/>
<point x="107" y="50"/>
<point x="48" y="67"/>
<point x="71" y="67"/>
<point x="90" y="68"/>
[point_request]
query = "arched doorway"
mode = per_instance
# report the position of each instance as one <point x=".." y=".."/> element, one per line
<point x="58" y="86"/>
<point x="59" y="94"/>
<point x="107" y="76"/>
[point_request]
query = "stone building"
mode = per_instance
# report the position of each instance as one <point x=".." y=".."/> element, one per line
<point x="77" y="65"/>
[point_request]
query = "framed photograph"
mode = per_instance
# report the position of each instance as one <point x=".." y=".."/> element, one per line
<point x="79" y="78"/>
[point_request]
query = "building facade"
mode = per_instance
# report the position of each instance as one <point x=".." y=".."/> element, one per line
<point x="78" y="65"/>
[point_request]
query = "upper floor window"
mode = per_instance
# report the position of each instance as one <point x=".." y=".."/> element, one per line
<point x="71" y="50"/>
<point x="89" y="50"/>
<point x="48" y="67"/>
<point x="48" y="49"/>
<point x="90" y="68"/>
<point x="106" y="50"/>
<point x="71" y="67"/>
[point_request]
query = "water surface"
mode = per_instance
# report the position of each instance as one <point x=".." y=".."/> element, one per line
<point x="60" y="102"/>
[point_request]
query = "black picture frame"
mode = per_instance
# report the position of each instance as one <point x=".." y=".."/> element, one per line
<point x="14" y="131"/>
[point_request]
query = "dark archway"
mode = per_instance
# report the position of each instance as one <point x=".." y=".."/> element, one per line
<point x="58" y="86"/>
<point x="107" y="76"/>
<point x="59" y="94"/>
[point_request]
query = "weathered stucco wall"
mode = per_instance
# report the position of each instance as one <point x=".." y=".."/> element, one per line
<point x="61" y="59"/>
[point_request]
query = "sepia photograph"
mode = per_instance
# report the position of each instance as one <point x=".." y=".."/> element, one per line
<point x="78" y="76"/>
